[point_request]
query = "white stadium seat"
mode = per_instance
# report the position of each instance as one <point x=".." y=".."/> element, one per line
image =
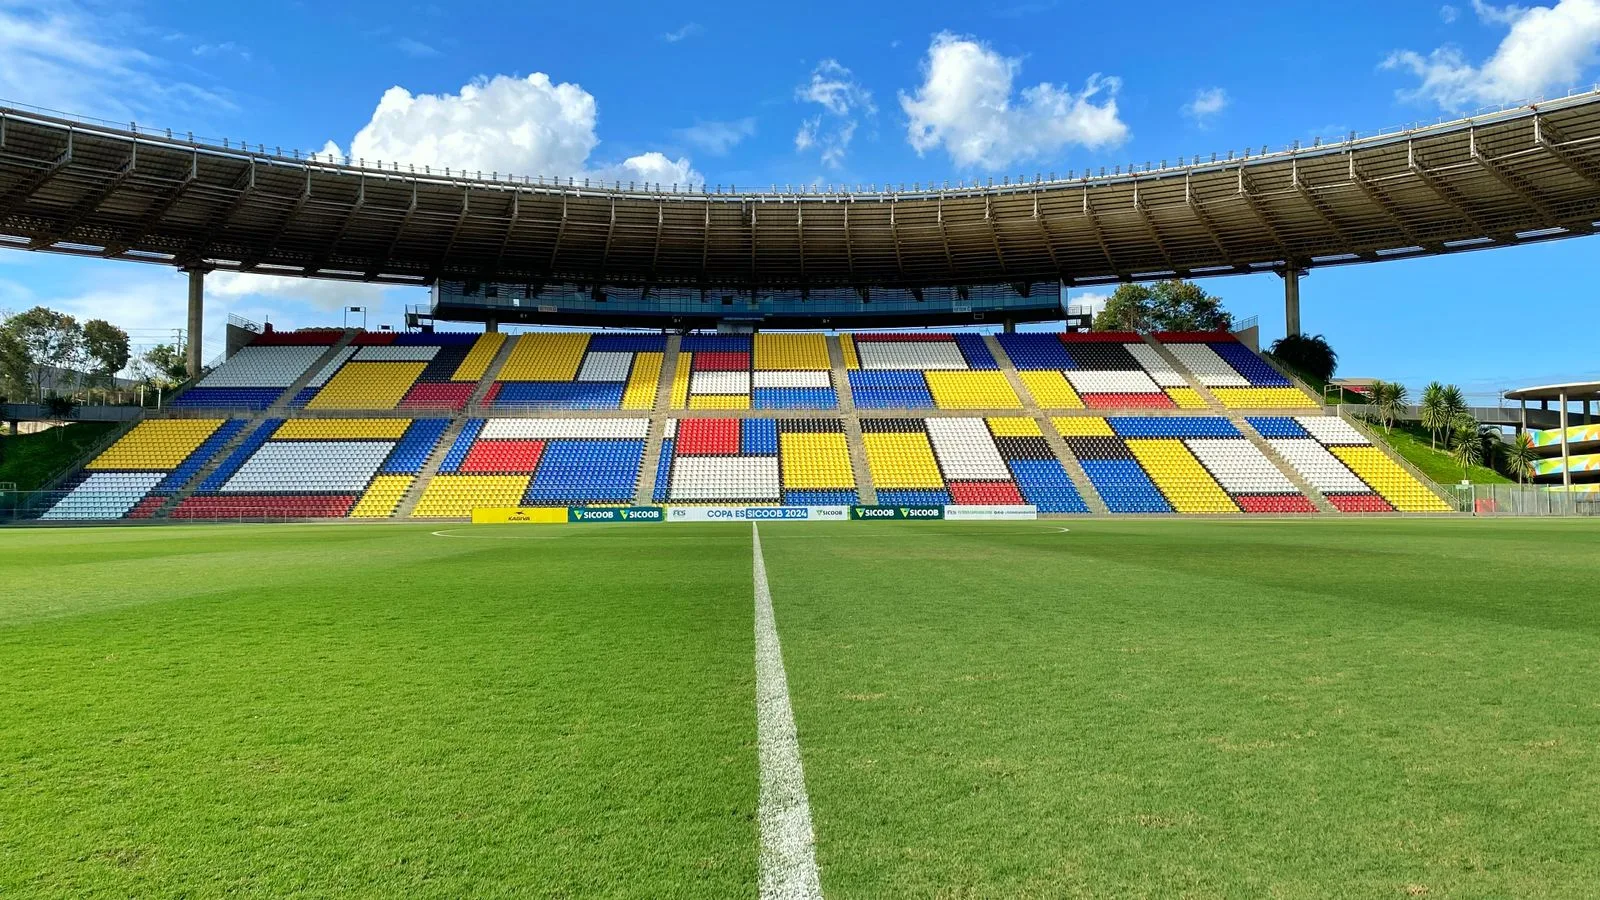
<point x="966" y="450"/>
<point x="910" y="355"/>
<point x="546" y="429"/>
<point x="263" y="367"/>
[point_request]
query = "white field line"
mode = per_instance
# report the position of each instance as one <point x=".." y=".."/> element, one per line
<point x="788" y="851"/>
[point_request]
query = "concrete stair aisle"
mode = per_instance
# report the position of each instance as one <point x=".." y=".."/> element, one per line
<point x="1030" y="407"/>
<point x="1178" y="366"/>
<point x="287" y="397"/>
<point x="1289" y="472"/>
<point x="644" y="495"/>
<point x="490" y="375"/>
<point x="186" y="490"/>
<point x="413" y="494"/>
<point x="865" y="489"/>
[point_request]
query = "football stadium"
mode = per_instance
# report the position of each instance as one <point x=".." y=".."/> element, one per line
<point x="700" y="541"/>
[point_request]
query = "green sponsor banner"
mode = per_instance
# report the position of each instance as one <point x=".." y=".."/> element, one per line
<point x="868" y="513"/>
<point x="616" y="514"/>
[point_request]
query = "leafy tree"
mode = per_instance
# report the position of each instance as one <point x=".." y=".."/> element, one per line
<point x="49" y="339"/>
<point x="1436" y="414"/>
<point x="105" y="347"/>
<point x="1165" y="306"/>
<point x="1310" y="354"/>
<point x="161" y="366"/>
<point x="1519" y="456"/>
<point x="14" y="368"/>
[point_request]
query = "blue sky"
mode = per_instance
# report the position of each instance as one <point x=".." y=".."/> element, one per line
<point x="756" y="94"/>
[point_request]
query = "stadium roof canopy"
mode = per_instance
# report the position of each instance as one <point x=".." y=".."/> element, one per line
<point x="1585" y="391"/>
<point x="1509" y="177"/>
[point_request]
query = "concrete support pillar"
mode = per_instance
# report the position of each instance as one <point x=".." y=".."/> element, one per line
<point x="491" y="326"/>
<point x="1010" y="327"/>
<point x="1566" y="448"/>
<point x="197" y="313"/>
<point x="1291" y="301"/>
<point x="1524" y="426"/>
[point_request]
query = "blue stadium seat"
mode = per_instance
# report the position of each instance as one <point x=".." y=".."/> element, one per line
<point x="1272" y="427"/>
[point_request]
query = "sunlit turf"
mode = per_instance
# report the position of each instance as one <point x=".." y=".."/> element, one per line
<point x="373" y="711"/>
<point x="1156" y="708"/>
<point x="1374" y="708"/>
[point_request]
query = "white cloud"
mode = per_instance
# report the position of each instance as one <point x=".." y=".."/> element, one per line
<point x="687" y="30"/>
<point x="225" y="48"/>
<point x="320" y="293"/>
<point x="1448" y="14"/>
<point x="806" y="137"/>
<point x="833" y="87"/>
<point x="1207" y="104"/>
<point x="1498" y="15"/>
<point x="717" y="138"/>
<point x="965" y="105"/>
<point x="843" y="100"/>
<point x="1547" y="49"/>
<point x="522" y="126"/>
<point x="415" y="49"/>
<point x="66" y="55"/>
<point x="1094" y="300"/>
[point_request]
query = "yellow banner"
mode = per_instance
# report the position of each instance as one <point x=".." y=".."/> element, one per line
<point x="537" y="515"/>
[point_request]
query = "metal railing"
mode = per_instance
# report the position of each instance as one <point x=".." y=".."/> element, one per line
<point x="1523" y="500"/>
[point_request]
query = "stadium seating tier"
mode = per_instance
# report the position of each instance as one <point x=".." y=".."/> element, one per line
<point x="1185" y="457"/>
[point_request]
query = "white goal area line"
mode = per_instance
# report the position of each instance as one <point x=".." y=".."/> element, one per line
<point x="788" y="846"/>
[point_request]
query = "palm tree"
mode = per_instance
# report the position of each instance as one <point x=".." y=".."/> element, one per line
<point x="1455" y="405"/>
<point x="1519" y="456"/>
<point x="1469" y="446"/>
<point x="1435" y="414"/>
<point x="1390" y="398"/>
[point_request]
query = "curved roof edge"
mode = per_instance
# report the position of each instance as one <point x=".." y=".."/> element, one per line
<point x="1507" y="177"/>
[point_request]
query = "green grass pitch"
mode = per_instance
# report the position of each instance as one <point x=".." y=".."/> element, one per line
<point x="1131" y="708"/>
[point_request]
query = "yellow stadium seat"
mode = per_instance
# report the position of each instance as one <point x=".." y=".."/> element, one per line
<point x="719" y="401"/>
<point x="901" y="460"/>
<point x="680" y="381"/>
<point x="1181" y="477"/>
<point x="341" y="429"/>
<point x="545" y="357"/>
<point x="642" y="382"/>
<point x="382" y="497"/>
<point x="1082" y="426"/>
<point x="482" y="354"/>
<point x="791" y="351"/>
<point x="1051" y="390"/>
<point x="1187" y="398"/>
<point x="971" y="390"/>
<point x="368" y="385"/>
<point x="156" y="444"/>
<point x="1392" y="482"/>
<point x="847" y="350"/>
<point x="1014" y="426"/>
<point x="456" y="496"/>
<point x="818" y="460"/>
<point x="1264" y="398"/>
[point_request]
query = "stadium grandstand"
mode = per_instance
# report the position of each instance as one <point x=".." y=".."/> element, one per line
<point x="433" y="424"/>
